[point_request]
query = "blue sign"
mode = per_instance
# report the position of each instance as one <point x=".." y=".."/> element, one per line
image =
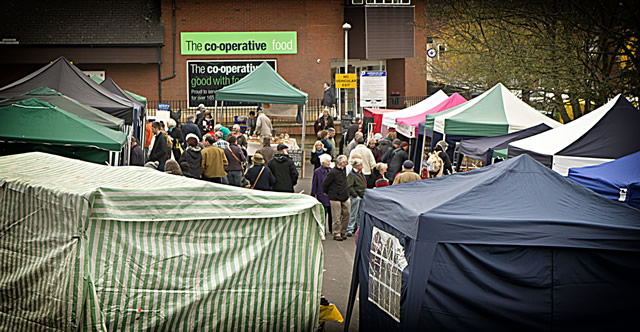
<point x="373" y="74"/>
<point x="164" y="107"/>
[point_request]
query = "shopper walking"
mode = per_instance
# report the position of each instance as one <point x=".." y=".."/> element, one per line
<point x="336" y="188"/>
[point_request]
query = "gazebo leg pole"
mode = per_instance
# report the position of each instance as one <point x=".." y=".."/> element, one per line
<point x="424" y="142"/>
<point x="215" y="110"/>
<point x="304" y="132"/>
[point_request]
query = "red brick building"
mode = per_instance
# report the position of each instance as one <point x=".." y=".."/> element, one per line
<point x="133" y="41"/>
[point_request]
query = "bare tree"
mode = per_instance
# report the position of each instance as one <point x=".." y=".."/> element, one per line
<point x="554" y="51"/>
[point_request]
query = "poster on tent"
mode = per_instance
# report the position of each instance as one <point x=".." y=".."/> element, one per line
<point x="386" y="262"/>
<point x="204" y="77"/>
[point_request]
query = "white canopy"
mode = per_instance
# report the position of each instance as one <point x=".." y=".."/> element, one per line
<point x="389" y="119"/>
<point x="602" y="135"/>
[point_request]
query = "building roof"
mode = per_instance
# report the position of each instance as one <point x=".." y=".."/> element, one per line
<point x="76" y="22"/>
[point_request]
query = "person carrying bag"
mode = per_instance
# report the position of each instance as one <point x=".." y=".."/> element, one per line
<point x="260" y="176"/>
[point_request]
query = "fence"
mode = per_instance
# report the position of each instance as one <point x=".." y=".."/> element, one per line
<point x="314" y="109"/>
<point x="226" y="114"/>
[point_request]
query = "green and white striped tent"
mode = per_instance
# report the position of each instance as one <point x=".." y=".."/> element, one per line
<point x="92" y="247"/>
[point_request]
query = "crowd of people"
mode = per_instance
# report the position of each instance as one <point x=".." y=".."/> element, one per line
<point x="339" y="180"/>
<point x="203" y="150"/>
<point x="200" y="149"/>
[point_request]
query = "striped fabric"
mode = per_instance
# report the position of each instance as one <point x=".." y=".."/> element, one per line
<point x="91" y="247"/>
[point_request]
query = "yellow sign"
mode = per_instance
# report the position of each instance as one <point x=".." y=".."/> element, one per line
<point x="346" y="81"/>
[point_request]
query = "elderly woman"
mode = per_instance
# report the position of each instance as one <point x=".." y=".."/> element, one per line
<point x="318" y="150"/>
<point x="316" y="186"/>
<point x="381" y="179"/>
<point x="323" y="135"/>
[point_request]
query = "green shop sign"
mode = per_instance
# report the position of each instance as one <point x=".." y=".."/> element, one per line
<point x="221" y="43"/>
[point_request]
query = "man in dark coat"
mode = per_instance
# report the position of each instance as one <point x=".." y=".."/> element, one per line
<point x="383" y="145"/>
<point x="329" y="97"/>
<point x="284" y="170"/>
<point x="388" y="155"/>
<point x="160" y="151"/>
<point x="190" y="128"/>
<point x="353" y="128"/>
<point x="336" y="188"/>
<point x="399" y="156"/>
<point x="137" y="156"/>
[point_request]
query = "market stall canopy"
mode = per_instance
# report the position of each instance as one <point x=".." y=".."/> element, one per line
<point x="167" y="249"/>
<point x="68" y="104"/>
<point x="487" y="148"/>
<point x="67" y="79"/>
<point x="110" y="85"/>
<point x="495" y="112"/>
<point x="607" y="133"/>
<point x="499" y="234"/>
<point x="432" y="101"/>
<point x="142" y="100"/>
<point x="377" y="114"/>
<point x="35" y="125"/>
<point x="263" y="85"/>
<point x="618" y="180"/>
<point x="414" y="121"/>
<point x="35" y="121"/>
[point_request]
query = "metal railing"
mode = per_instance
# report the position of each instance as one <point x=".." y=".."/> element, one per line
<point x="228" y="113"/>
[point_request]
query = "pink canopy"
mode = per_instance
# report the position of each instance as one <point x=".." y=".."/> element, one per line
<point x="453" y="101"/>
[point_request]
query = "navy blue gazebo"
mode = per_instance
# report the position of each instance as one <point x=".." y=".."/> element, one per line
<point x="509" y="247"/>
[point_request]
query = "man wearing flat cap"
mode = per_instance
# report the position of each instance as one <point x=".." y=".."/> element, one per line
<point x="284" y="170"/>
<point x="407" y="174"/>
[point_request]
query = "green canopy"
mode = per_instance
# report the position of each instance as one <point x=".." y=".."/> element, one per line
<point x="96" y="79"/>
<point x="88" y="247"/>
<point x="138" y="98"/>
<point x="495" y="112"/>
<point x="68" y="104"/>
<point x="33" y="124"/>
<point x="263" y="85"/>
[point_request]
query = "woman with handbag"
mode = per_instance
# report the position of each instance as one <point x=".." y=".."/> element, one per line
<point x="260" y="176"/>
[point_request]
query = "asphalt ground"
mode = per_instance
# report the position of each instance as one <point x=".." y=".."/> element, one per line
<point x="338" y="266"/>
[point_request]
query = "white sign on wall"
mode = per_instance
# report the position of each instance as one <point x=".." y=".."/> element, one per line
<point x="373" y="89"/>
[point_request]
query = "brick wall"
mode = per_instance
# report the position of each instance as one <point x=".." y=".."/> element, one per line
<point x="320" y="36"/>
<point x="318" y="24"/>
<point x="141" y="79"/>
<point x="415" y="68"/>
